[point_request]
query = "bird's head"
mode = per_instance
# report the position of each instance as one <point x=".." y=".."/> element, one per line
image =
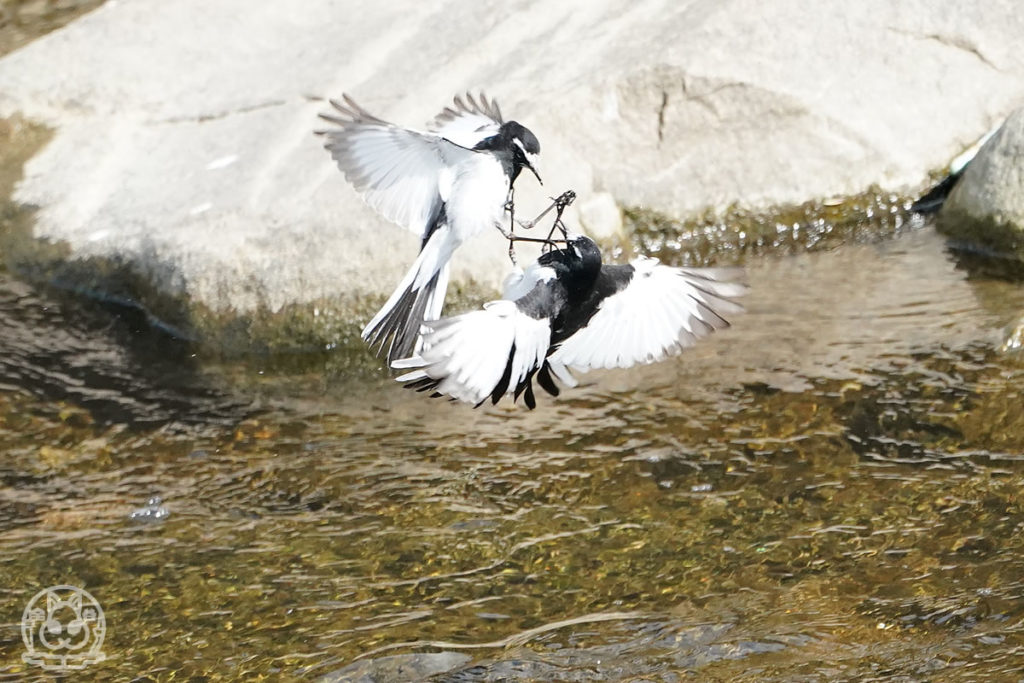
<point x="577" y="264"/>
<point x="524" y="146"/>
<point x="583" y="251"/>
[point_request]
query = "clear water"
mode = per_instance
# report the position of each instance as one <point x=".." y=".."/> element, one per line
<point x="829" y="490"/>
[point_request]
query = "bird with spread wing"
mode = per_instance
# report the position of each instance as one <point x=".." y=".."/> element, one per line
<point x="445" y="185"/>
<point x="569" y="311"/>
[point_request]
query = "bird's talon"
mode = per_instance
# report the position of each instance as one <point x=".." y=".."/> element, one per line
<point x="565" y="199"/>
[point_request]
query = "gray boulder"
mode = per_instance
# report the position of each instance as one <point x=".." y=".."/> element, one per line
<point x="986" y="208"/>
<point x="183" y="173"/>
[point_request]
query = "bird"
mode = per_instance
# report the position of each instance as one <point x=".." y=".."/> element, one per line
<point x="568" y="311"/>
<point x="934" y="199"/>
<point x="446" y="185"/>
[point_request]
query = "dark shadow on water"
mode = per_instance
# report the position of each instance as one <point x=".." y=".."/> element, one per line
<point x="984" y="266"/>
<point x="105" y="359"/>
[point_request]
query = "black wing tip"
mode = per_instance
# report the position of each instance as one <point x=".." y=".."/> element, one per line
<point x="933" y="199"/>
<point x="502" y="386"/>
<point x="525" y="389"/>
<point x="528" y="397"/>
<point x="546" y="381"/>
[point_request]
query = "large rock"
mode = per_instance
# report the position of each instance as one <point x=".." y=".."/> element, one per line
<point x="986" y="208"/>
<point x="184" y="174"/>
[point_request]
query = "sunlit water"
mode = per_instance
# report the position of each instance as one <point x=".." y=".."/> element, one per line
<point x="830" y="490"/>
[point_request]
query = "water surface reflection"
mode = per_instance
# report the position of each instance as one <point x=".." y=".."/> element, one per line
<point x="829" y="490"/>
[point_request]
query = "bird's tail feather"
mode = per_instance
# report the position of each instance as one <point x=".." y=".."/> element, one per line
<point x="419" y="297"/>
<point x="436" y="301"/>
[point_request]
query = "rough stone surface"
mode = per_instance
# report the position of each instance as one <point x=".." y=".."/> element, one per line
<point x="986" y="208"/>
<point x="183" y="149"/>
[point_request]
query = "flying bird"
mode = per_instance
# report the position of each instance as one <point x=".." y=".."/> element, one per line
<point x="445" y="185"/>
<point x="568" y="311"/>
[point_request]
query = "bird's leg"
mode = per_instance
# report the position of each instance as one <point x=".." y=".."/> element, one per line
<point x="540" y="240"/>
<point x="558" y="226"/>
<point x="560" y="202"/>
<point x="512" y="239"/>
<point x="510" y="207"/>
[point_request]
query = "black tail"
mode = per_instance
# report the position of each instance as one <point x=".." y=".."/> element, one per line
<point x="399" y="328"/>
<point x="933" y="200"/>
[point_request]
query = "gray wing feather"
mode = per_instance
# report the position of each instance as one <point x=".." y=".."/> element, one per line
<point x="468" y="121"/>
<point x="470" y="106"/>
<point x="396" y="171"/>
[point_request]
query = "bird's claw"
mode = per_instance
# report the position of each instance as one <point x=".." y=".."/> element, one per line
<point x="558" y="204"/>
<point x="565" y="199"/>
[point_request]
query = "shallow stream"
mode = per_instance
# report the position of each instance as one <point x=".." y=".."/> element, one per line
<point x="829" y="490"/>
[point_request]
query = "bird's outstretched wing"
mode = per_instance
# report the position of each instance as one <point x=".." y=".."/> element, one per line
<point x="649" y="311"/>
<point x="397" y="171"/>
<point x="656" y="313"/>
<point x="479" y="355"/>
<point x="468" y="121"/>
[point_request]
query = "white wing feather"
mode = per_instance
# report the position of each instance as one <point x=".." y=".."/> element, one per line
<point x="469" y="121"/>
<point x="468" y="354"/>
<point x="660" y="312"/>
<point x="400" y="173"/>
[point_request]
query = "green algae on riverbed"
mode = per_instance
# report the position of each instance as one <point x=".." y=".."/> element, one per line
<point x="827" y="490"/>
<point x="799" y="539"/>
<point x="988" y="236"/>
<point x="736" y="233"/>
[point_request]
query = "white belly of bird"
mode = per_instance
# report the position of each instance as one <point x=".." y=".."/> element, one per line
<point x="477" y="200"/>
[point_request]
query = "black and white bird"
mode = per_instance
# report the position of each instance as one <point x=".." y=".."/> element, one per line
<point x="445" y="185"/>
<point x="933" y="200"/>
<point x="567" y="312"/>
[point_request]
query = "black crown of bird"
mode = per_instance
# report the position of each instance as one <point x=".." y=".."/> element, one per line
<point x="565" y="311"/>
